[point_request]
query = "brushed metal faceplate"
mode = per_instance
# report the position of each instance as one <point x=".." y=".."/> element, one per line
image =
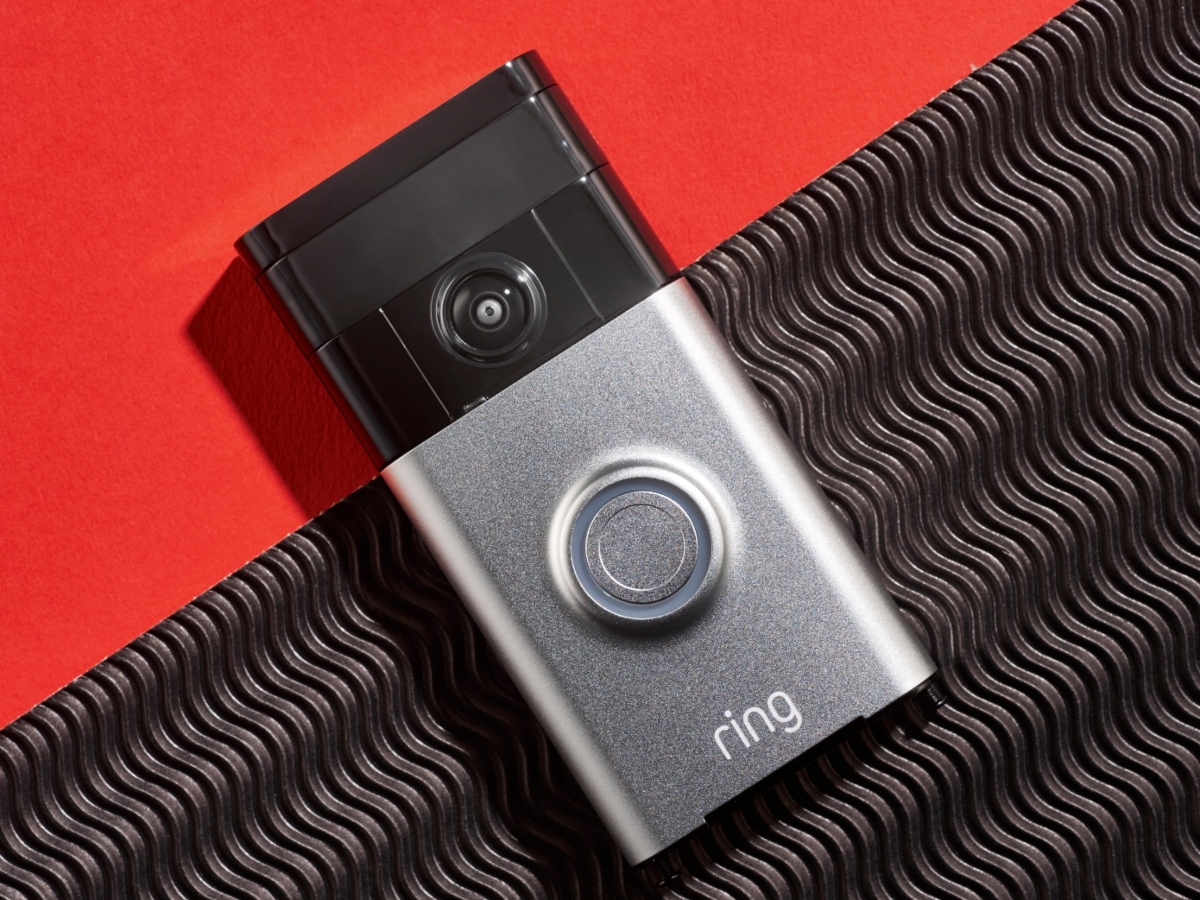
<point x="637" y="711"/>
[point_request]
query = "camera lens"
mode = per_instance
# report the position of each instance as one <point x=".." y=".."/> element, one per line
<point x="488" y="308"/>
<point x="489" y="312"/>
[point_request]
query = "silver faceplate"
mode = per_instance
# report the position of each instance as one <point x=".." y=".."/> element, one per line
<point x="792" y="606"/>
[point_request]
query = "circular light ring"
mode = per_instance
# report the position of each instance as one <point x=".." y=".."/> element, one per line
<point x="667" y="519"/>
<point x="616" y="605"/>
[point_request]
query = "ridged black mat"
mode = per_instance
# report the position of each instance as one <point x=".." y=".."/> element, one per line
<point x="982" y="330"/>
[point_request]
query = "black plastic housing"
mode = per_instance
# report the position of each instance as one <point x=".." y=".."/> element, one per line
<point x="353" y="265"/>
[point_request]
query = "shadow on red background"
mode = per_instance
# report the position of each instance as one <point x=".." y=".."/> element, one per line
<point x="277" y="392"/>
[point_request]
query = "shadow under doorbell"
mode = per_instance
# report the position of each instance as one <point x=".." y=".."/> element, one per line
<point x="588" y="462"/>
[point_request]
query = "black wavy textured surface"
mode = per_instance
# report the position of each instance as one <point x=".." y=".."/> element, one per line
<point x="982" y="331"/>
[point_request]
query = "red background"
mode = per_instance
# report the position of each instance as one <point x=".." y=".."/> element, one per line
<point x="158" y="429"/>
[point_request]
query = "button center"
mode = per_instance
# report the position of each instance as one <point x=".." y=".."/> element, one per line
<point x="642" y="547"/>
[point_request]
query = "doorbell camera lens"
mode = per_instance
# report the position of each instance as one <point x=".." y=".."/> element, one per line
<point x="489" y="312"/>
<point x="488" y="309"/>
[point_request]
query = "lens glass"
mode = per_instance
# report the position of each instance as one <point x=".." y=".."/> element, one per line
<point x="488" y="312"/>
<point x="488" y="309"/>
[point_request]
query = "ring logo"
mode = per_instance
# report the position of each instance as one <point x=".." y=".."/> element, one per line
<point x="783" y="712"/>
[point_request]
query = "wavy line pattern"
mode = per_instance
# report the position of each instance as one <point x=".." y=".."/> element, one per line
<point x="982" y="330"/>
<point x="323" y="723"/>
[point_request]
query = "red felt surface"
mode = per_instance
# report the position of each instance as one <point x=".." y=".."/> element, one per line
<point x="158" y="428"/>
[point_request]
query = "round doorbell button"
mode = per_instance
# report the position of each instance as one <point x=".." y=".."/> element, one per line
<point x="642" y="548"/>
